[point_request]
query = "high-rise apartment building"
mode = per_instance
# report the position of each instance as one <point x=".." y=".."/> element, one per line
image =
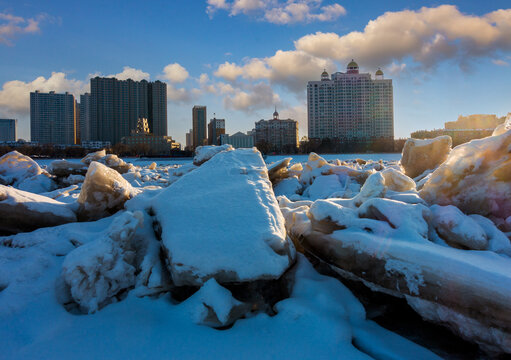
<point x="85" y="117"/>
<point x="8" y="129"/>
<point x="281" y="134"/>
<point x="216" y="127"/>
<point x="52" y="118"/>
<point x="116" y="105"/>
<point x="351" y="106"/>
<point x="78" y="137"/>
<point x="199" y="116"/>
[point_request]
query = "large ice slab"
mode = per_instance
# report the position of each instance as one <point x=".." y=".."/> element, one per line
<point x="476" y="178"/>
<point x="421" y="155"/>
<point x="24" y="211"/>
<point x="222" y="221"/>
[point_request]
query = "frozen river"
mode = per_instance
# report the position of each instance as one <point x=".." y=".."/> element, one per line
<point x="269" y="159"/>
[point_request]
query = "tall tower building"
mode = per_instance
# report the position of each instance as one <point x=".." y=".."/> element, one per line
<point x="216" y="127"/>
<point x="351" y="106"/>
<point x="199" y="116"/>
<point x="52" y="118"/>
<point x="8" y="129"/>
<point x="116" y="106"/>
<point x="85" y="117"/>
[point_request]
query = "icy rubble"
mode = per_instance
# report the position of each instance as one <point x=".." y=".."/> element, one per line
<point x="220" y="226"/>
<point x="421" y="155"/>
<point x="476" y="177"/>
<point x="238" y="231"/>
<point x="101" y="269"/>
<point x="104" y="191"/>
<point x="24" y="211"/>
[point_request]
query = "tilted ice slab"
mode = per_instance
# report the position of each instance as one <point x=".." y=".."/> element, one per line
<point x="222" y="221"/>
<point x="24" y="211"/>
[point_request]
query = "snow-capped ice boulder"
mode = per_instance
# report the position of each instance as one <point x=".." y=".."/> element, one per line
<point x="204" y="153"/>
<point x="222" y="221"/>
<point x="37" y="184"/>
<point x="114" y="162"/>
<point x="458" y="229"/>
<point x="374" y="187"/>
<point x="64" y="168"/>
<point x="16" y="167"/>
<point x="502" y="128"/>
<point x="421" y="155"/>
<point x="95" y="156"/>
<point x="152" y="166"/>
<point x="476" y="178"/>
<point x="317" y="166"/>
<point x="288" y="187"/>
<point x="214" y="305"/>
<point x="497" y="241"/>
<point x="22" y="211"/>
<point x="410" y="217"/>
<point x="104" y="191"/>
<point x="397" y="181"/>
<point x="324" y="187"/>
<point x="278" y="170"/>
<point x="101" y="269"/>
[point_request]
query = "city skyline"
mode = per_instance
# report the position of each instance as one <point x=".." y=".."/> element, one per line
<point x="439" y="72"/>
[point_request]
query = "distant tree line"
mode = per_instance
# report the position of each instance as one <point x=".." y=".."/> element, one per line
<point x="54" y="152"/>
<point x="335" y="146"/>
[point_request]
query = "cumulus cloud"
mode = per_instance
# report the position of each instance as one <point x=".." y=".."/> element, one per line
<point x="395" y="69"/>
<point x="291" y="69"/>
<point x="175" y="73"/>
<point x="131" y="73"/>
<point x="500" y="62"/>
<point x="15" y="95"/>
<point x="428" y="36"/>
<point x="255" y="96"/>
<point x="279" y="12"/>
<point x="12" y="26"/>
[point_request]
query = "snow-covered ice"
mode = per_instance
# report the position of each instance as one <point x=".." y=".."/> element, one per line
<point x="222" y="221"/>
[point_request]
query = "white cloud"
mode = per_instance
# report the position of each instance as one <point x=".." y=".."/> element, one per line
<point x="179" y="95"/>
<point x="11" y="26"/>
<point x="15" y="94"/>
<point x="175" y="73"/>
<point x="500" y="62"/>
<point x="395" y="69"/>
<point x="291" y="69"/>
<point x="254" y="97"/>
<point x="130" y="73"/>
<point x="428" y="36"/>
<point x="279" y="12"/>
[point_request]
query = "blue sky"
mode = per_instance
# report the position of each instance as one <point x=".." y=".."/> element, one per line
<point x="242" y="57"/>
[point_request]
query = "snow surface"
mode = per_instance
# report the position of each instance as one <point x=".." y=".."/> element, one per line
<point x="204" y="153"/>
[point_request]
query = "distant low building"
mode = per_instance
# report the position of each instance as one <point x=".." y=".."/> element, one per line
<point x="8" y="129"/>
<point x="238" y="140"/>
<point x="464" y="129"/>
<point x="475" y="122"/>
<point x="148" y="143"/>
<point x="281" y="134"/>
<point x="96" y="144"/>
